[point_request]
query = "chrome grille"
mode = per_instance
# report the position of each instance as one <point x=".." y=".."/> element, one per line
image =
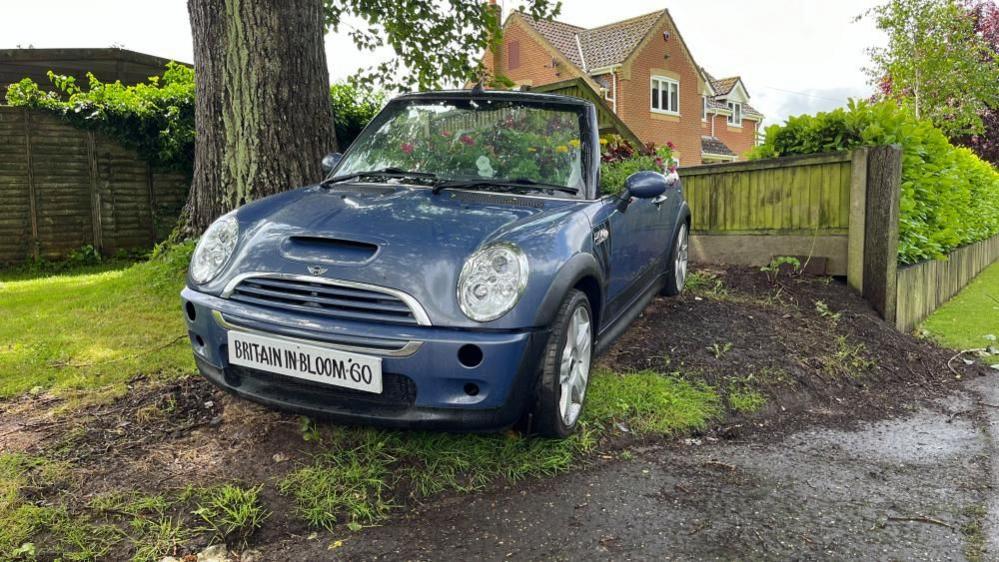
<point x="327" y="297"/>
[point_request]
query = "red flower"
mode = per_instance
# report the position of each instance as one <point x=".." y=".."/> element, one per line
<point x="446" y="134"/>
<point x="670" y="145"/>
<point x="407" y="148"/>
<point x="467" y="140"/>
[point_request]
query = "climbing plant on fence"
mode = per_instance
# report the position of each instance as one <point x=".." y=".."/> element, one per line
<point x="949" y="196"/>
<point x="155" y="118"/>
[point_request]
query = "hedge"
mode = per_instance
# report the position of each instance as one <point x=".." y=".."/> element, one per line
<point x="949" y="198"/>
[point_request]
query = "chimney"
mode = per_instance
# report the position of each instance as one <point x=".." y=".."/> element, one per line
<point x="496" y="49"/>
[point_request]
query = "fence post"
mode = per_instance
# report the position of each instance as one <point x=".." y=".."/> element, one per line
<point x="857" y="224"/>
<point x="32" y="196"/>
<point x="95" y="196"/>
<point x="884" y="180"/>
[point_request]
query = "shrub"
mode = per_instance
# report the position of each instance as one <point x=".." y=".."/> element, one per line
<point x="949" y="197"/>
<point x="619" y="159"/>
<point x="353" y="108"/>
<point x="155" y="118"/>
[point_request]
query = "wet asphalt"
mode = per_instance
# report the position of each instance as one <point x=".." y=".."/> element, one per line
<point x="919" y="487"/>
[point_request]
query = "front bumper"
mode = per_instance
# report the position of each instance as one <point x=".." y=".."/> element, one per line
<point x="426" y="386"/>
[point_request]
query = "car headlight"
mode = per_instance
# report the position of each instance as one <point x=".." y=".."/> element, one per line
<point x="492" y="281"/>
<point x="214" y="249"/>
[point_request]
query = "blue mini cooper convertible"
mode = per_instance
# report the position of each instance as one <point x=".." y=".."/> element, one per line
<point x="459" y="268"/>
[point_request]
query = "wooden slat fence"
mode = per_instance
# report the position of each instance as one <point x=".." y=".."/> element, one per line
<point x="923" y="287"/>
<point x="62" y="188"/>
<point x="798" y="195"/>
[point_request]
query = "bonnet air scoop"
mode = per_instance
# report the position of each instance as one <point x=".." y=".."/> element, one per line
<point x="327" y="249"/>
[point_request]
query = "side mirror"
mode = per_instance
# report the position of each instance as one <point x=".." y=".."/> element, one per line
<point x="646" y="185"/>
<point x="330" y="161"/>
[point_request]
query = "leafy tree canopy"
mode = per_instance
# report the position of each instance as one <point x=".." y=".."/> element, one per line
<point x="935" y="58"/>
<point x="439" y="42"/>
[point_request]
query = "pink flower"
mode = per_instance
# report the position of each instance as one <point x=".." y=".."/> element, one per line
<point x="467" y="140"/>
<point x="670" y="145"/>
<point x="446" y="134"/>
<point x="407" y="148"/>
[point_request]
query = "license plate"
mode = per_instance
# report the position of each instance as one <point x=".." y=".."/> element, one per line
<point x="303" y="361"/>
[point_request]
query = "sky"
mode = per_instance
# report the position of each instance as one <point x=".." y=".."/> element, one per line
<point x="795" y="56"/>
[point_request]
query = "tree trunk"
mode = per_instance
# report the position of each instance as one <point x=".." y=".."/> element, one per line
<point x="262" y="107"/>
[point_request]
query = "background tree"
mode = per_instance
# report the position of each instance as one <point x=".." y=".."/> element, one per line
<point x="986" y="144"/>
<point x="936" y="60"/>
<point x="262" y="108"/>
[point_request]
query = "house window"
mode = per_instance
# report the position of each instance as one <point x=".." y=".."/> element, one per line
<point x="736" y="117"/>
<point x="704" y="108"/>
<point x="513" y="55"/>
<point x="665" y="95"/>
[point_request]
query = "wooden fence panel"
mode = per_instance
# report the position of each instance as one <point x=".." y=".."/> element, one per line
<point x="62" y="188"/>
<point x="16" y="238"/>
<point x="924" y="287"/>
<point x="788" y="196"/>
<point x="60" y="163"/>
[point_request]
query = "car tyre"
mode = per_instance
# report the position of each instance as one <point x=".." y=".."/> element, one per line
<point x="565" y="371"/>
<point x="676" y="271"/>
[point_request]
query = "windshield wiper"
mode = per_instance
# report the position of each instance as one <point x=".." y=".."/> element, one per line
<point x="382" y="172"/>
<point x="514" y="183"/>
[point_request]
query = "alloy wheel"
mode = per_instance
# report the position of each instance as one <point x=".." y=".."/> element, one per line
<point x="680" y="267"/>
<point x="574" y="370"/>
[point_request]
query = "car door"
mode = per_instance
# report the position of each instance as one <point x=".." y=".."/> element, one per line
<point x="628" y="236"/>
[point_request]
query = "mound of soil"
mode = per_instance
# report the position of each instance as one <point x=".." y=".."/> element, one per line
<point x="815" y="349"/>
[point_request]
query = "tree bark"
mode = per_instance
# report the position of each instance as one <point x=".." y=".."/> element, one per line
<point x="262" y="107"/>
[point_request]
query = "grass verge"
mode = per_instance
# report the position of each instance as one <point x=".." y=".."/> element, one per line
<point x="93" y="327"/>
<point x="967" y="320"/>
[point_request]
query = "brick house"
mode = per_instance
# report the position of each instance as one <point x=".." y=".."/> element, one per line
<point x="642" y="69"/>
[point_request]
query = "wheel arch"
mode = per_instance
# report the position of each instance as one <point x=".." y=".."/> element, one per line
<point x="580" y="272"/>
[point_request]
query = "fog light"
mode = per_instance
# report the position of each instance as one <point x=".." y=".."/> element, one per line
<point x="470" y="355"/>
<point x="192" y="312"/>
<point x="471" y="389"/>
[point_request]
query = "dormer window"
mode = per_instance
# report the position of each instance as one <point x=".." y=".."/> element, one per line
<point x="736" y="117"/>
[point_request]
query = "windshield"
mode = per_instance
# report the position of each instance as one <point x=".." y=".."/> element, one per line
<point x="464" y="140"/>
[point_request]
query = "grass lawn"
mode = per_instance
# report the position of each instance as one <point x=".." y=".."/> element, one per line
<point x="969" y="318"/>
<point x="93" y="327"/>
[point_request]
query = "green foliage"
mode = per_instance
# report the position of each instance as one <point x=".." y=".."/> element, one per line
<point x="435" y="43"/>
<point x="233" y="513"/>
<point x="619" y="160"/>
<point x="935" y="59"/>
<point x="502" y="141"/>
<point x="776" y="265"/>
<point x="949" y="197"/>
<point x="353" y="107"/>
<point x="746" y="401"/>
<point x="155" y="118"/>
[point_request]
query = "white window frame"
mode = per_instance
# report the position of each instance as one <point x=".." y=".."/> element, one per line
<point x="658" y="82"/>
<point x="704" y="109"/>
<point x="736" y="109"/>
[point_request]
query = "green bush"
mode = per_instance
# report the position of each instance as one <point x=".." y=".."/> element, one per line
<point x="155" y="118"/>
<point x="353" y="108"/>
<point x="619" y="160"/>
<point x="949" y="197"/>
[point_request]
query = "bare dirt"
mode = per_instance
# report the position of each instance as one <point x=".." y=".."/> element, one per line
<point x="869" y="446"/>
